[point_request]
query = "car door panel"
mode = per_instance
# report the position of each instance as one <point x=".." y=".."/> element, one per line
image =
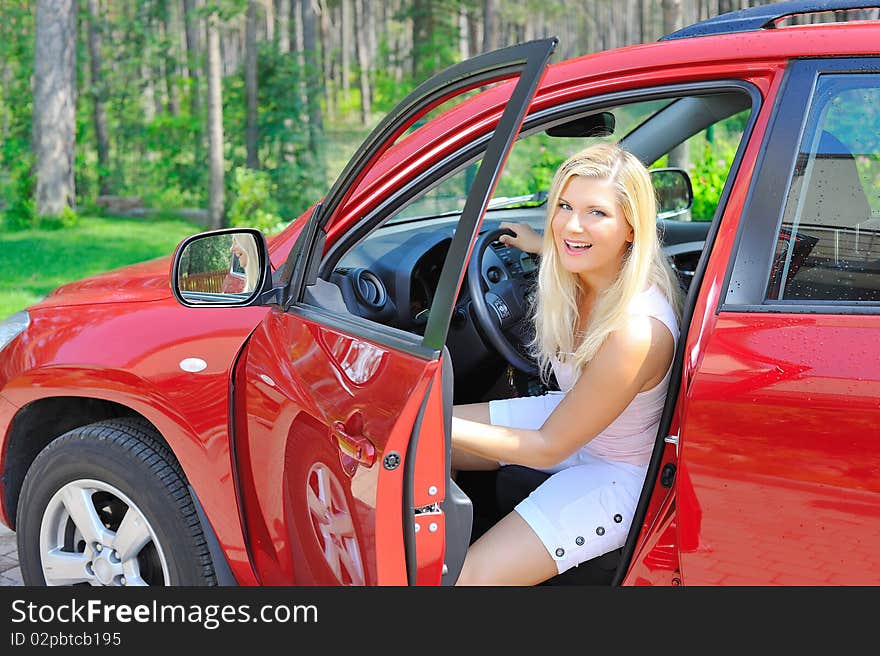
<point x="780" y="492"/>
<point x="343" y="438"/>
<point x="291" y="447"/>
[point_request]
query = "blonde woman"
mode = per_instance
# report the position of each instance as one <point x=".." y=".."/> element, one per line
<point x="245" y="249"/>
<point x="606" y="325"/>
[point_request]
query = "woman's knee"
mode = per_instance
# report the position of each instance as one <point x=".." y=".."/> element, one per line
<point x="510" y="553"/>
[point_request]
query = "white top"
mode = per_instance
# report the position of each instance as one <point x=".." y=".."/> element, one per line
<point x="630" y="437"/>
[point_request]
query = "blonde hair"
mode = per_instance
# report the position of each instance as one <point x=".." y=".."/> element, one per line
<point x="644" y="263"/>
<point x="252" y="266"/>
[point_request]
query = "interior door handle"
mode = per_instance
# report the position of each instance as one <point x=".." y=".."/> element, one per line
<point x="356" y="447"/>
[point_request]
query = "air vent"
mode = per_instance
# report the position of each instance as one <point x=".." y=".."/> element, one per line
<point x="369" y="289"/>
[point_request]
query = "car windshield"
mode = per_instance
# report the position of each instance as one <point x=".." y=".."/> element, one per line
<point x="529" y="169"/>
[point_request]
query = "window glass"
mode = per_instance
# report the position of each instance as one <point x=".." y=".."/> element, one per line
<point x="529" y="168"/>
<point x="828" y="247"/>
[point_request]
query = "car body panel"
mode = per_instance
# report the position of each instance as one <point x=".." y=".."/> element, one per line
<point x="117" y="352"/>
<point x="781" y="445"/>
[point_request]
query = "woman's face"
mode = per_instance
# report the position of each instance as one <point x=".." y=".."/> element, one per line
<point x="590" y="231"/>
<point x="237" y="250"/>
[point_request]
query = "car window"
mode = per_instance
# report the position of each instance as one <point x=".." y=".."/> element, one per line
<point x="828" y="246"/>
<point x="710" y="154"/>
<point x="529" y="168"/>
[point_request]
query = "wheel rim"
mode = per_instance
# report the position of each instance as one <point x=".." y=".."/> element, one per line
<point x="333" y="525"/>
<point x="93" y="534"/>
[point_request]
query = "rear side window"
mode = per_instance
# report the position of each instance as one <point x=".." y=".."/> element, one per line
<point x="828" y="248"/>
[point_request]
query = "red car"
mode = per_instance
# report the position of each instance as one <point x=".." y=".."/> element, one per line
<point x="296" y="430"/>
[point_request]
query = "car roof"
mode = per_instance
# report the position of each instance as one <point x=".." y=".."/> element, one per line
<point x="763" y="17"/>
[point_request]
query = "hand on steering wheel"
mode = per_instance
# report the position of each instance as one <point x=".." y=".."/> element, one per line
<point x="499" y="301"/>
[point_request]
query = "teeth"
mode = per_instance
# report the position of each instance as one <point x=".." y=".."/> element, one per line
<point x="577" y="244"/>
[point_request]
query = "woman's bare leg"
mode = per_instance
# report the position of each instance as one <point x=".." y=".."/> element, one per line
<point x="462" y="460"/>
<point x="509" y="553"/>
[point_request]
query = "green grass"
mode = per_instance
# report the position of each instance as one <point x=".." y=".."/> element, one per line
<point x="35" y="262"/>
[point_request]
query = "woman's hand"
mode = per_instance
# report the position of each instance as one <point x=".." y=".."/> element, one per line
<point x="526" y="239"/>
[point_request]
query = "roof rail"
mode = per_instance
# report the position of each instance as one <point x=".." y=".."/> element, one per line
<point x="763" y="16"/>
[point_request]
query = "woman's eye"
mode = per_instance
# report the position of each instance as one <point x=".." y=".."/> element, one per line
<point x="598" y="212"/>
<point x="564" y="206"/>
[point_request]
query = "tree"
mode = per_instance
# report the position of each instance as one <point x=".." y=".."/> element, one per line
<point x="99" y="95"/>
<point x="361" y="8"/>
<point x="250" y="77"/>
<point x="313" y="85"/>
<point x="215" y="123"/>
<point x="54" y="116"/>
<point x="672" y="20"/>
<point x="192" y="53"/>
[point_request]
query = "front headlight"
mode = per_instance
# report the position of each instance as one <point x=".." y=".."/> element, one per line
<point x="12" y="326"/>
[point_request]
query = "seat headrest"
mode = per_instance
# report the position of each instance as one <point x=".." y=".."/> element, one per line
<point x="835" y="195"/>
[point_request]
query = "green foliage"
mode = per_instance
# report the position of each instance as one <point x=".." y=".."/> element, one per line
<point x="209" y="253"/>
<point x="708" y="176"/>
<point x="20" y="211"/>
<point x="253" y="205"/>
<point x="435" y="36"/>
<point x="37" y="261"/>
<point x="68" y="218"/>
<point x="531" y="166"/>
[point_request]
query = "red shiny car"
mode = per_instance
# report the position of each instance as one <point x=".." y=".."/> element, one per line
<point x="296" y="430"/>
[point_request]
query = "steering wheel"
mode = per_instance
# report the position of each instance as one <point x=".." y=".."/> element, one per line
<point x="500" y="303"/>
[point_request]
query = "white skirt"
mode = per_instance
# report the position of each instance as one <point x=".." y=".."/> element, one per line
<point x="586" y="507"/>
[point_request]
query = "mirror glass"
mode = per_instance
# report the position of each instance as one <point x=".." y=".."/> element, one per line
<point x="674" y="193"/>
<point x="220" y="269"/>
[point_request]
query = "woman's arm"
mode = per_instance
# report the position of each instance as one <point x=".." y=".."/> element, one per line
<point x="631" y="359"/>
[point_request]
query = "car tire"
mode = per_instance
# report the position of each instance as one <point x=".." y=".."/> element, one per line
<point x="108" y="504"/>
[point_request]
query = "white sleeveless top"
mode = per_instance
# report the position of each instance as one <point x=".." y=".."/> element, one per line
<point x="630" y="437"/>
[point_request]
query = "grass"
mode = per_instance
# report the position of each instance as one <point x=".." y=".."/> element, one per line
<point x="35" y="262"/>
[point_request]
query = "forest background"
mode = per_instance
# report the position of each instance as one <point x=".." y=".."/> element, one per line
<point x="191" y="113"/>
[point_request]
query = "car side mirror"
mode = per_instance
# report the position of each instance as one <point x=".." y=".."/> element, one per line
<point x="221" y="268"/>
<point x="675" y="194"/>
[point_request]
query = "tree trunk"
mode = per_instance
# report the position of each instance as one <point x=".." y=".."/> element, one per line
<point x="4" y="76"/>
<point x="282" y="32"/>
<point x="54" y="113"/>
<point x="169" y="30"/>
<point x="192" y="55"/>
<point x="313" y="87"/>
<point x="99" y="94"/>
<point x="327" y="60"/>
<point x="215" y="125"/>
<point x="296" y="9"/>
<point x="363" y="61"/>
<point x="672" y="20"/>
<point x="490" y="25"/>
<point x="250" y="83"/>
<point x="345" y="52"/>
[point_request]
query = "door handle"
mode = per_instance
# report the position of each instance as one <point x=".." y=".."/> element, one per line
<point x="356" y="447"/>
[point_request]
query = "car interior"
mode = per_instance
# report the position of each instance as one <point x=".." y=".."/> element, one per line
<point x="387" y="272"/>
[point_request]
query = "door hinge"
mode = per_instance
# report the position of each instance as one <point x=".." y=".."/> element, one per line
<point x="672" y="439"/>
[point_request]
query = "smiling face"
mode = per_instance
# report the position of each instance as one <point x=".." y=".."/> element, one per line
<point x="590" y="231"/>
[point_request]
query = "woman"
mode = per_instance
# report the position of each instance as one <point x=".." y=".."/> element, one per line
<point x="606" y="325"/>
<point x="245" y="249"/>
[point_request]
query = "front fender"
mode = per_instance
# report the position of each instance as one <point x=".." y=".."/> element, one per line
<point x="203" y="449"/>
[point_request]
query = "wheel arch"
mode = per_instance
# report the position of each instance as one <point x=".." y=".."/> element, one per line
<point x="39" y="422"/>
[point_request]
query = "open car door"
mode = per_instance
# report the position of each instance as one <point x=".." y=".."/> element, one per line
<point x="342" y="441"/>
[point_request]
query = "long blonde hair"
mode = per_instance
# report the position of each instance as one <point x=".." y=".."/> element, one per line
<point x="644" y="263"/>
<point x="252" y="270"/>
